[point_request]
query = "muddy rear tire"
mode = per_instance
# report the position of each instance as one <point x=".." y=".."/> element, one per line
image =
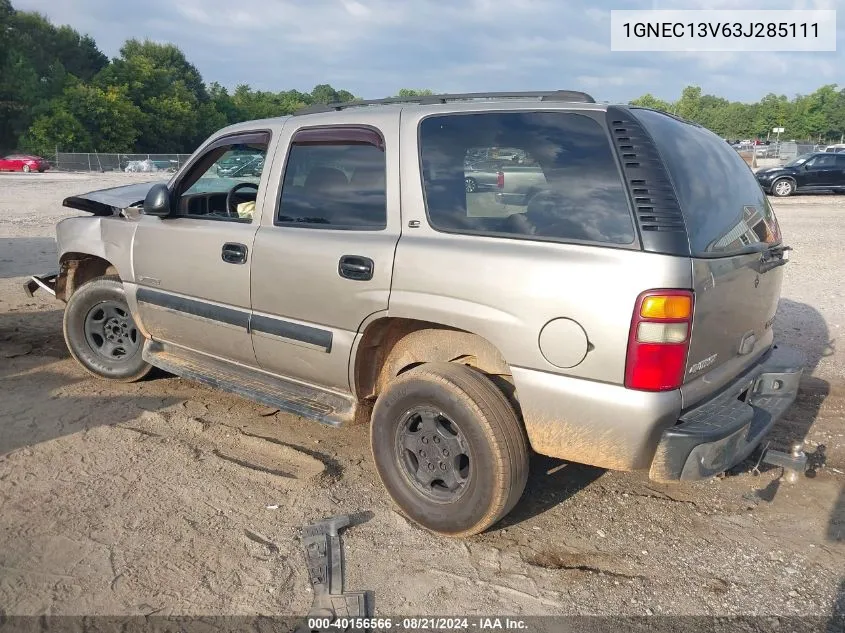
<point x="101" y="333"/>
<point x="449" y="448"/>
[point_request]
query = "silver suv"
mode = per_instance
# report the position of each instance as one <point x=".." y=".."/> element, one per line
<point x="621" y="315"/>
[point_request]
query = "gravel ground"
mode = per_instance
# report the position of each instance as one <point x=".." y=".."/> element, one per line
<point x="157" y="497"/>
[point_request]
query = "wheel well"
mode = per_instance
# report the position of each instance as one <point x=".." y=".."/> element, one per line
<point x="391" y="346"/>
<point x="77" y="269"/>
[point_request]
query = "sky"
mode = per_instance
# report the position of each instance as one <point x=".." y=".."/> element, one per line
<point x="375" y="47"/>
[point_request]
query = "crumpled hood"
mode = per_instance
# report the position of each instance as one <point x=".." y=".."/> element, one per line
<point x="110" y="201"/>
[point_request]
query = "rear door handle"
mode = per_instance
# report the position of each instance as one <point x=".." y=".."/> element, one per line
<point x="234" y="253"/>
<point x="356" y="267"/>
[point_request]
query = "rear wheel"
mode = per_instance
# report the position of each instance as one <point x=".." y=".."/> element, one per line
<point x="449" y="448"/>
<point x="26" y="169"/>
<point x="101" y="334"/>
<point x="470" y="185"/>
<point x="783" y="187"/>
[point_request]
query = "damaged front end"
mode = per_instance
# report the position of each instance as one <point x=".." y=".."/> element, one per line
<point x="77" y="235"/>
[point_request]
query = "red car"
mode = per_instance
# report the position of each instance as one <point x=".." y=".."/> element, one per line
<point x="23" y="162"/>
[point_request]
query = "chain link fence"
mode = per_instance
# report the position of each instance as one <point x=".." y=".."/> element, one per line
<point x="78" y="161"/>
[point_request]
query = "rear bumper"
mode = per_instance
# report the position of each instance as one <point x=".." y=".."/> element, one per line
<point x="719" y="433"/>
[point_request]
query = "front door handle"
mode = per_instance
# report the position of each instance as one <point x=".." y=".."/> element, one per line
<point x="356" y="267"/>
<point x="234" y="253"/>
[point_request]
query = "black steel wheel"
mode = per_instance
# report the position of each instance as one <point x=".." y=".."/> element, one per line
<point x="101" y="334"/>
<point x="433" y="453"/>
<point x="449" y="448"/>
<point x="111" y="332"/>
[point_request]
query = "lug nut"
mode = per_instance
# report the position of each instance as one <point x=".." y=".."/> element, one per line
<point x="442" y="466"/>
<point x="425" y="440"/>
<point x="436" y="440"/>
<point x="445" y="453"/>
<point x="422" y="453"/>
<point x="430" y="466"/>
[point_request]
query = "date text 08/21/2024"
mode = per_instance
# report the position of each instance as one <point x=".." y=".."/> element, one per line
<point x="419" y="624"/>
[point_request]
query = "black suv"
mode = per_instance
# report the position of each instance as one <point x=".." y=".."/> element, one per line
<point x="818" y="171"/>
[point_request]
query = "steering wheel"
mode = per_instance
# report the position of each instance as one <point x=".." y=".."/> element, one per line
<point x="230" y="208"/>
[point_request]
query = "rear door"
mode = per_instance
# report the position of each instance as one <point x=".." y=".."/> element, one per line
<point x="731" y="225"/>
<point x="323" y="256"/>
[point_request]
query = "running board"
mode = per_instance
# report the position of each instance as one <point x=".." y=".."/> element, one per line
<point x="317" y="404"/>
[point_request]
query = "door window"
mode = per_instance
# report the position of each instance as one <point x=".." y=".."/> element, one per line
<point x="821" y="161"/>
<point x="335" y="179"/>
<point x="223" y="183"/>
<point x="524" y="175"/>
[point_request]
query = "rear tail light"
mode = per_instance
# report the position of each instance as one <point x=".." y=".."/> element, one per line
<point x="500" y="179"/>
<point x="658" y="340"/>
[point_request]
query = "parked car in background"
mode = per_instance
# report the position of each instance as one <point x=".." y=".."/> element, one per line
<point x="837" y="148"/>
<point x="24" y="162"/>
<point x="236" y="166"/>
<point x="816" y="171"/>
<point x="512" y="182"/>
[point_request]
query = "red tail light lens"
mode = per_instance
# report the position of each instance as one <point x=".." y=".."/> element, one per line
<point x="500" y="179"/>
<point x="658" y="340"/>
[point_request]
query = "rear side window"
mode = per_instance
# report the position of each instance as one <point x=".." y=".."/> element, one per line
<point x="335" y="179"/>
<point x="725" y="210"/>
<point x="531" y="175"/>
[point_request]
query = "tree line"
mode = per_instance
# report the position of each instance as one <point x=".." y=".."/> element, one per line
<point x="59" y="91"/>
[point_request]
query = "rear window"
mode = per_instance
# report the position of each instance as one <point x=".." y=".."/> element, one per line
<point x="532" y="175"/>
<point x="725" y="210"/>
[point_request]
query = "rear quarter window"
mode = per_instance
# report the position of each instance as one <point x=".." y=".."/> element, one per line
<point x="725" y="210"/>
<point x="529" y="175"/>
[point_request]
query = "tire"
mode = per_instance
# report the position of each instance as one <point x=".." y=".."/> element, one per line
<point x="26" y="169"/>
<point x="470" y="185"/>
<point x="462" y="414"/>
<point x="97" y="321"/>
<point x="783" y="187"/>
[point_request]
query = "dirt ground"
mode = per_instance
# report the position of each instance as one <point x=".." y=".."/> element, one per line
<point x="168" y="497"/>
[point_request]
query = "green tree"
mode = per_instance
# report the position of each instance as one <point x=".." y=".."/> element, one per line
<point x="58" y="129"/>
<point x="650" y="101"/>
<point x="414" y="92"/>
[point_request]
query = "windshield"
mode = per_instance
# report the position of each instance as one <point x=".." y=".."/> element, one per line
<point x="799" y="160"/>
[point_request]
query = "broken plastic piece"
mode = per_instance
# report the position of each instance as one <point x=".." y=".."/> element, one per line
<point x="323" y="556"/>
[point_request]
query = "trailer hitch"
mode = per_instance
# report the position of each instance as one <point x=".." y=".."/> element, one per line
<point x="794" y="463"/>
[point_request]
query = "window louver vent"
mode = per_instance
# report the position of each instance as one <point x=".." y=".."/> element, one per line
<point x="654" y="199"/>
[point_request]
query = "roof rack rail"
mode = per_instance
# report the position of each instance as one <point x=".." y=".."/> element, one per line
<point x="550" y="95"/>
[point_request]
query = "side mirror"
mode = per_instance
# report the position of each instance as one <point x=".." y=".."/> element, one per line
<point x="157" y="201"/>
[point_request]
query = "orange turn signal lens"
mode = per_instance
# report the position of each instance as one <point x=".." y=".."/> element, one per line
<point x="666" y="307"/>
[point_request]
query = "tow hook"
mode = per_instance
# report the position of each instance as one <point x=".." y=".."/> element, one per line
<point x="794" y="463"/>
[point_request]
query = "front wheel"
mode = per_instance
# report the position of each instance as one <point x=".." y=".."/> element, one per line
<point x="783" y="187"/>
<point x="101" y="333"/>
<point x="449" y="448"/>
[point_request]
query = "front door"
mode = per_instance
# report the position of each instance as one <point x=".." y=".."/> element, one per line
<point x="323" y="258"/>
<point x="192" y="268"/>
